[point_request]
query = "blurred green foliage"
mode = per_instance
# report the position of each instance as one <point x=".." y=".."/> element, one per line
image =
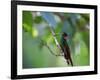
<point x="36" y="33"/>
<point x="27" y="21"/>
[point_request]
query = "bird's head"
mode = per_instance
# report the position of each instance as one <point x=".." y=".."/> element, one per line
<point x="65" y="36"/>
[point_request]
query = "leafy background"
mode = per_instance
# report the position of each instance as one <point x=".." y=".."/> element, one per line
<point x="36" y="34"/>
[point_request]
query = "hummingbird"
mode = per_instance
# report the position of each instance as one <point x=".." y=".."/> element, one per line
<point x="66" y="49"/>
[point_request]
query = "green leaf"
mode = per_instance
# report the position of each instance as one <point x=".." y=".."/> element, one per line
<point x="27" y="21"/>
<point x="86" y="17"/>
<point x="81" y="23"/>
<point x="85" y="37"/>
<point x="38" y="19"/>
<point x="26" y="27"/>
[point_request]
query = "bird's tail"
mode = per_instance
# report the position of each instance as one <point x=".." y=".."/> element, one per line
<point x="69" y="61"/>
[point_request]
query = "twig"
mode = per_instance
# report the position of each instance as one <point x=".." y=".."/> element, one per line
<point x="45" y="44"/>
<point x="56" y="41"/>
<point x="52" y="51"/>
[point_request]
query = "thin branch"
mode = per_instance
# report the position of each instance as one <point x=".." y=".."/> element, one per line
<point x="45" y="44"/>
<point x="56" y="41"/>
<point x="52" y="51"/>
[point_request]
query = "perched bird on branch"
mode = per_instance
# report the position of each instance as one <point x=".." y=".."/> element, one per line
<point x="66" y="49"/>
